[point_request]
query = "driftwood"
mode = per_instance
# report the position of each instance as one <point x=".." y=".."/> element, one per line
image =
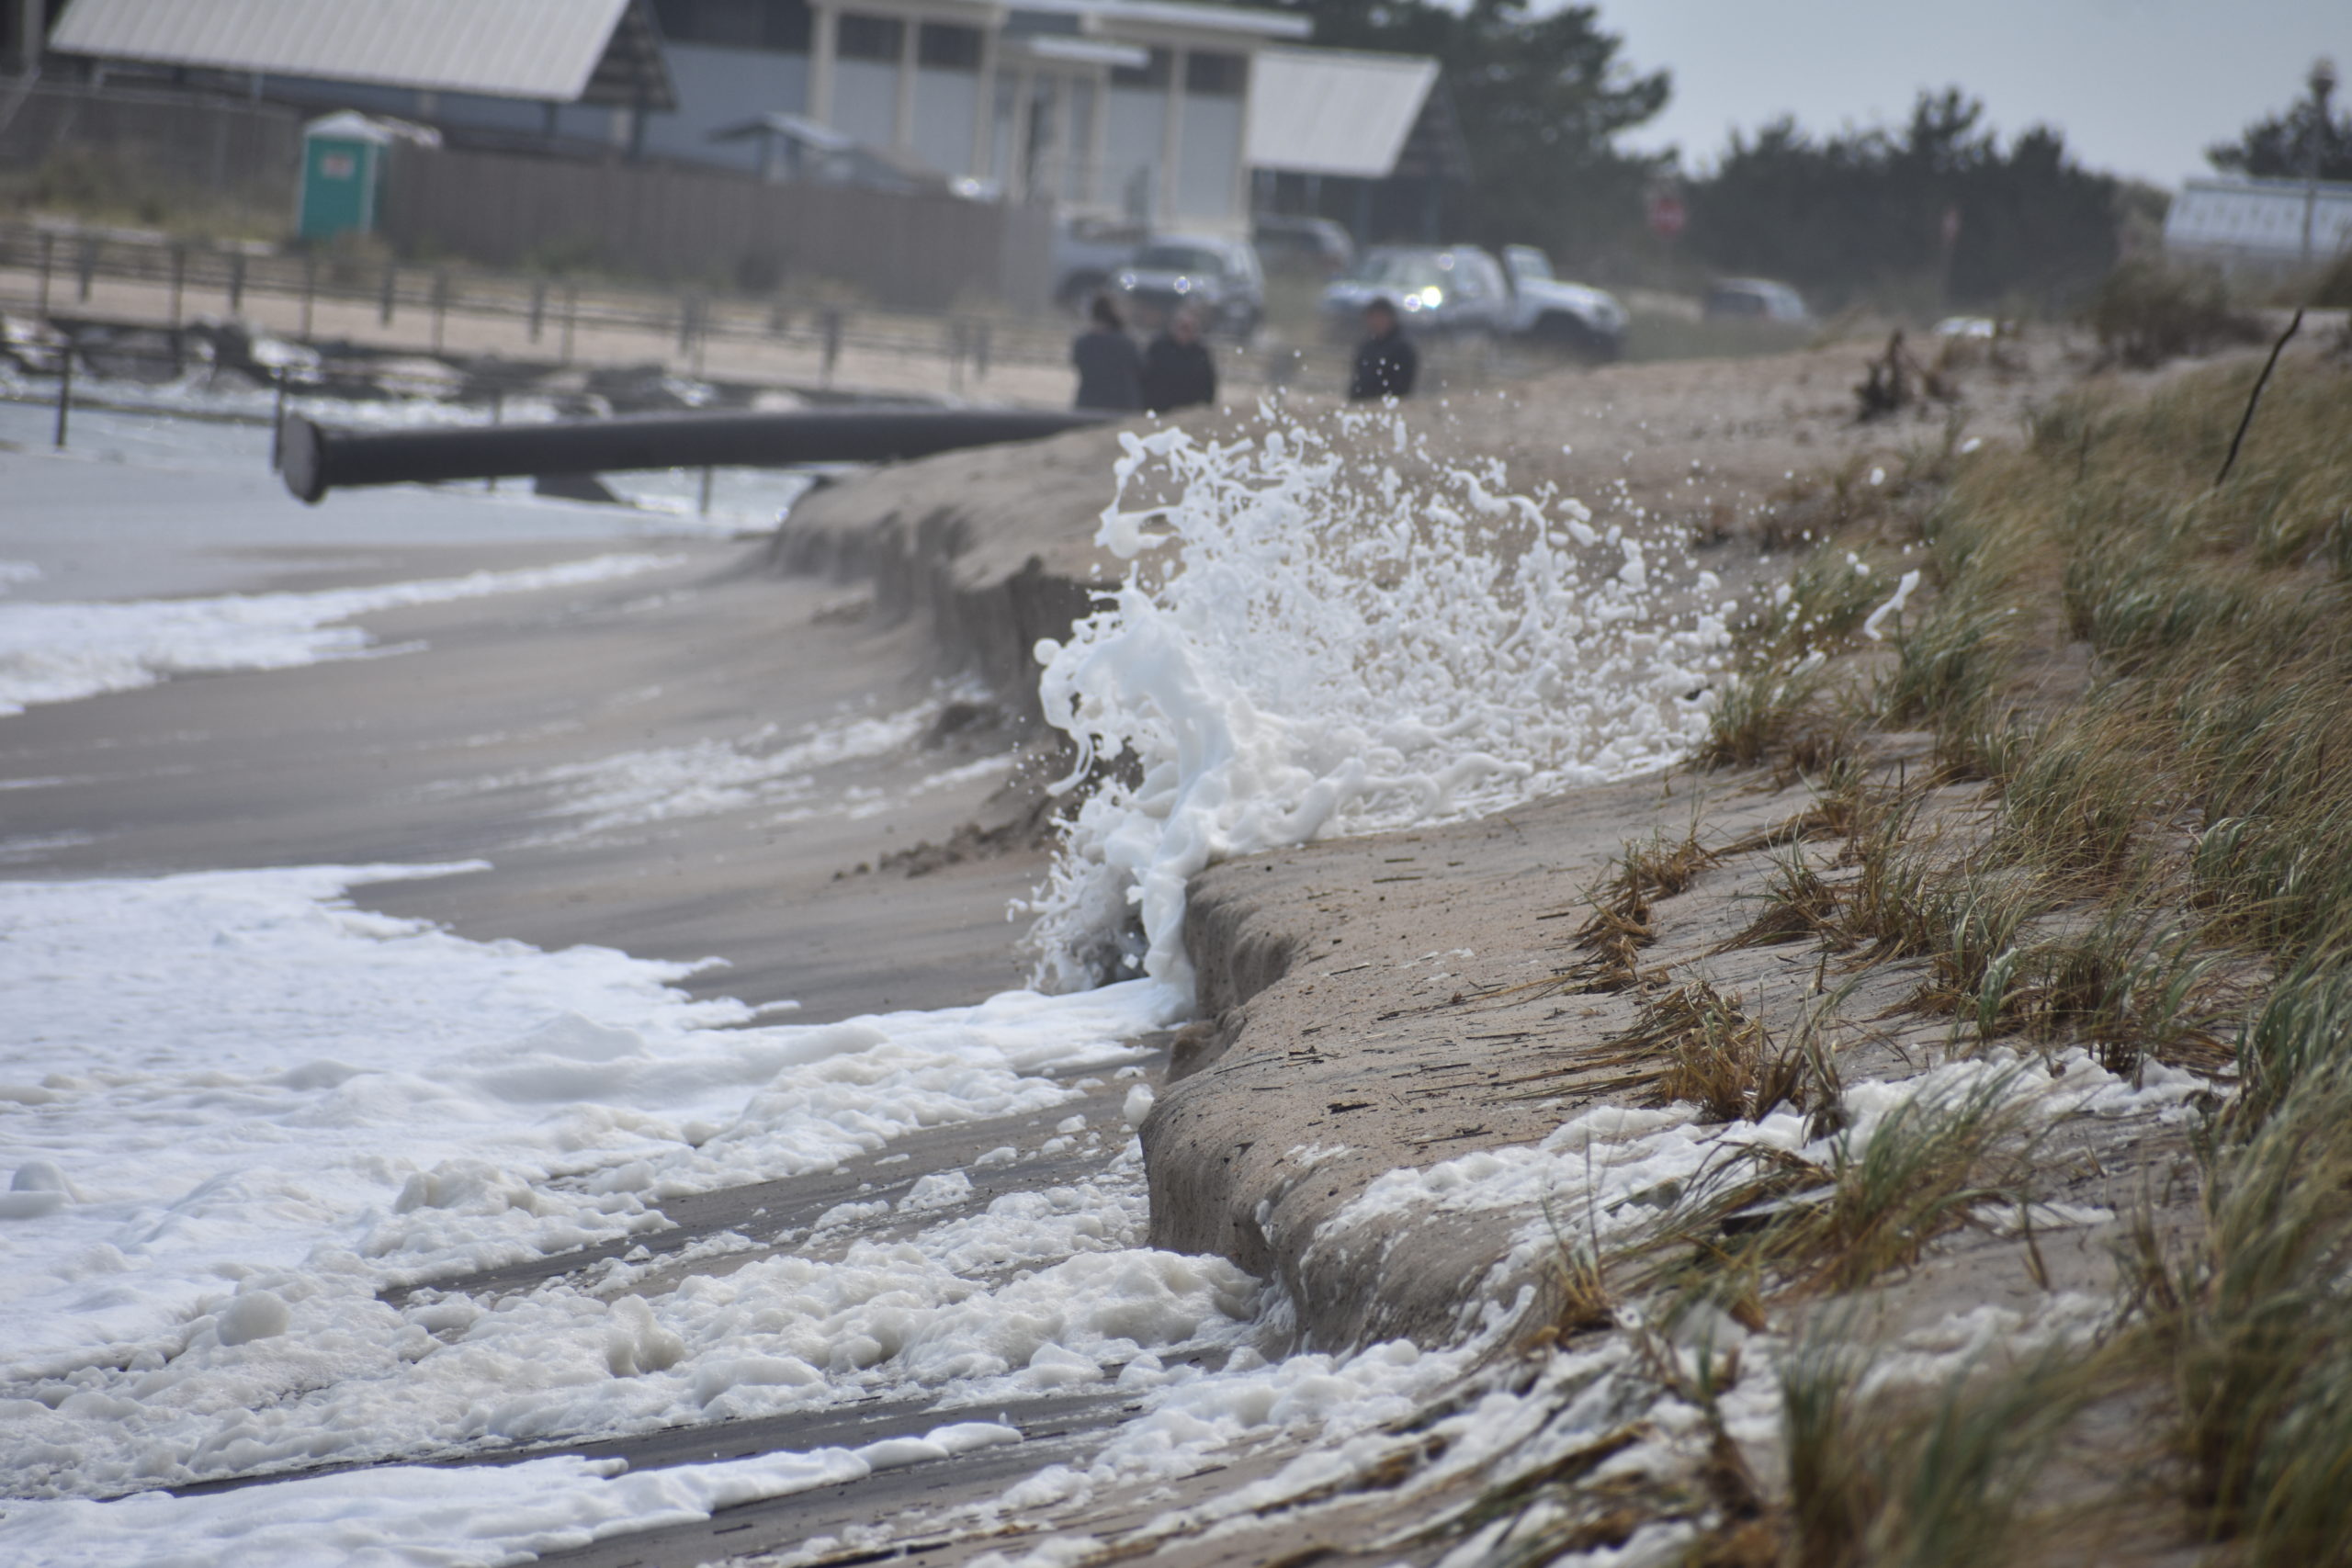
<point x="1895" y="379"/>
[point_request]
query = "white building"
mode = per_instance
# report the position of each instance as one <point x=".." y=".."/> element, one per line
<point x="2264" y="226"/>
<point x="1138" y="107"/>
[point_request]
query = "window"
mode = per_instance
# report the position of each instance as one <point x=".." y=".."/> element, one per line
<point x="1195" y="259"/>
<point x="787" y="26"/>
<point x="1154" y="75"/>
<point x="1216" y="75"/>
<point x="944" y="47"/>
<point x="740" y="24"/>
<point x="869" y="38"/>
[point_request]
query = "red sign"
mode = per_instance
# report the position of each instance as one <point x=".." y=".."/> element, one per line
<point x="1667" y="214"/>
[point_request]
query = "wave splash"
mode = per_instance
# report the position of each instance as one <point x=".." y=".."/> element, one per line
<point x="1325" y="629"/>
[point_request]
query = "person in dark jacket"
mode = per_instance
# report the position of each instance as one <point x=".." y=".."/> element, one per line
<point x="1110" y="371"/>
<point x="1177" y="370"/>
<point x="1386" y="362"/>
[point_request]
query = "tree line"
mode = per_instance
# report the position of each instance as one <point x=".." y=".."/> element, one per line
<point x="1940" y="210"/>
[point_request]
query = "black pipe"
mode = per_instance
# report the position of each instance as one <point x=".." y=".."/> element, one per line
<point x="316" y="459"/>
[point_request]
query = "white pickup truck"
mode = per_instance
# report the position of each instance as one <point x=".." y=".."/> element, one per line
<point x="1459" y="289"/>
<point x="1583" y="321"/>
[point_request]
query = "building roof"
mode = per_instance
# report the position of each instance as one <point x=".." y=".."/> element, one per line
<point x="1188" y="15"/>
<point x="597" y="52"/>
<point x="2260" y="218"/>
<point x="1329" y="112"/>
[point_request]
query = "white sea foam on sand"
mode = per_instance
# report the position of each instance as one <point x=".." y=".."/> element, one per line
<point x="237" y="1108"/>
<point x="56" y="652"/>
<point x="445" y="1518"/>
<point x="641" y="788"/>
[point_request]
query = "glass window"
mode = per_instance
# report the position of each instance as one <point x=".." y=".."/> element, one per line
<point x="1529" y="262"/>
<point x="1406" y="270"/>
<point x="738" y="24"/>
<point x="788" y="27"/>
<point x="1179" y="258"/>
<point x="869" y="38"/>
<point x="1216" y="75"/>
<point x="945" y="47"/>
<point x="1154" y="73"/>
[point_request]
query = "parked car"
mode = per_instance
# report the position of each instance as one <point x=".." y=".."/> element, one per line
<point x="1446" y="291"/>
<point x="1573" y="317"/>
<point x="1315" y="247"/>
<point x="1754" y="300"/>
<point x="1219" y="279"/>
<point x="1087" y="253"/>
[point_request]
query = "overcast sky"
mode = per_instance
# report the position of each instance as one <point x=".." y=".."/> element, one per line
<point x="2139" y="88"/>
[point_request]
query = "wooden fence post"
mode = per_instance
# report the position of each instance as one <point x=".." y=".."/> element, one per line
<point x="65" y="392"/>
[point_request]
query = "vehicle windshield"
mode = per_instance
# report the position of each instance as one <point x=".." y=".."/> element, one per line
<point x="1407" y="270"/>
<point x="1530" y="262"/>
<point x="1177" y="258"/>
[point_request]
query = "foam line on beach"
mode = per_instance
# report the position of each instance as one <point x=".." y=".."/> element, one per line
<point x="60" y="651"/>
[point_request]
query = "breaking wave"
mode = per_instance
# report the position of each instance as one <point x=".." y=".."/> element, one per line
<point x="1326" y="629"/>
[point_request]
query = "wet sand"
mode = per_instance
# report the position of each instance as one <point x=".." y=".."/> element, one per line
<point x="455" y="753"/>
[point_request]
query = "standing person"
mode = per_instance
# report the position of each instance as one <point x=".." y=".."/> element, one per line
<point x="1110" y="371"/>
<point x="1177" y="370"/>
<point x="1386" y="362"/>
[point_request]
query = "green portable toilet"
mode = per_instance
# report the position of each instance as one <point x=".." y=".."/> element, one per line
<point x="343" y="162"/>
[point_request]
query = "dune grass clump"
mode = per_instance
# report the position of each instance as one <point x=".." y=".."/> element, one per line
<point x="1939" y="1476"/>
<point x="1718" y="1057"/>
<point x="2252" y="1321"/>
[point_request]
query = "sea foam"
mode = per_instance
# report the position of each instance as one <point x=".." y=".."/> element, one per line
<point x="1324" y="629"/>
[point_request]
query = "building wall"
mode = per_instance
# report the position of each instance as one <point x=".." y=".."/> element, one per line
<point x="1139" y="116"/>
<point x="721" y="86"/>
<point x="1209" y="168"/>
<point x="2258" y="226"/>
<point x="945" y="102"/>
<point x="866" y="100"/>
<point x="520" y="118"/>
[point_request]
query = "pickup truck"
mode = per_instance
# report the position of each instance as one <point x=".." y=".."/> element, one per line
<point x="1586" y="321"/>
<point x="1458" y="290"/>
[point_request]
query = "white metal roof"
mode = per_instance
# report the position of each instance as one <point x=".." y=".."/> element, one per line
<point x="2260" y="218"/>
<point x="1329" y="112"/>
<point x="1082" y="51"/>
<point x="1176" y="14"/>
<point x="514" y="49"/>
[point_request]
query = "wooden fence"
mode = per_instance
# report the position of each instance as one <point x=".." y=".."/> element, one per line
<point x="713" y="227"/>
<point x="230" y="147"/>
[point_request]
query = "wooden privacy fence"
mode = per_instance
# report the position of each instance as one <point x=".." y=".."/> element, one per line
<point x="678" y="223"/>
